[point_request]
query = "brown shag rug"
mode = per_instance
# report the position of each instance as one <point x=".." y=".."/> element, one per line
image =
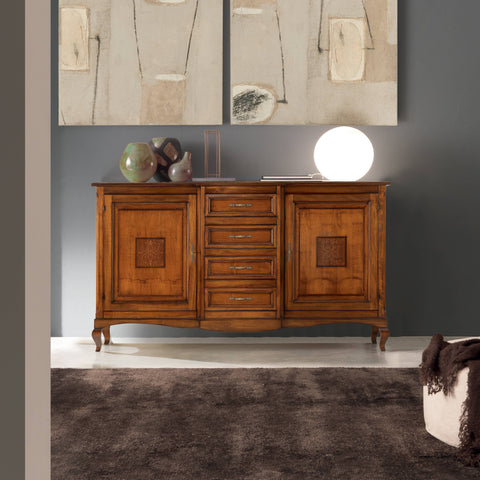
<point x="259" y="424"/>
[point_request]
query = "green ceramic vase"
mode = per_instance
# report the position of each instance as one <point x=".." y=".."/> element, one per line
<point x="138" y="162"/>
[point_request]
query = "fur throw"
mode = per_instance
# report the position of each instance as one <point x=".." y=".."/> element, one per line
<point x="441" y="362"/>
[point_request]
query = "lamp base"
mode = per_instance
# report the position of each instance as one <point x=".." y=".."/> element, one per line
<point x="319" y="177"/>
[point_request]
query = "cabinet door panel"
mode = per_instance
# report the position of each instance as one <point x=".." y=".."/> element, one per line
<point x="331" y="253"/>
<point x="150" y="250"/>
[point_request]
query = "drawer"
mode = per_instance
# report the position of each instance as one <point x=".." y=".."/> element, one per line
<point x="239" y="298"/>
<point x="237" y="267"/>
<point x="232" y="236"/>
<point x="241" y="205"/>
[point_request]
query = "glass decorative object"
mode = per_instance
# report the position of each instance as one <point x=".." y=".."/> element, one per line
<point x="343" y="154"/>
<point x="138" y="162"/>
<point x="168" y="151"/>
<point x="212" y="154"/>
<point x="181" y="171"/>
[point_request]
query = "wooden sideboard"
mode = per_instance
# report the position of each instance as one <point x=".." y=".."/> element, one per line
<point x="241" y="257"/>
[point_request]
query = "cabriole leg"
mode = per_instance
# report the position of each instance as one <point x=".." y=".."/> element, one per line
<point x="374" y="334"/>
<point x="106" y="334"/>
<point x="384" y="334"/>
<point x="97" y="338"/>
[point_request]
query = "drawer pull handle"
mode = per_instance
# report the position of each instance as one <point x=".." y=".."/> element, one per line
<point x="240" y="236"/>
<point x="240" y="268"/>
<point x="240" y="299"/>
<point x="241" y="205"/>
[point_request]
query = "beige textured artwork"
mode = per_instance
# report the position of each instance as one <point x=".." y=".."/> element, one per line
<point x="140" y="62"/>
<point x="313" y="62"/>
<point x="74" y="37"/>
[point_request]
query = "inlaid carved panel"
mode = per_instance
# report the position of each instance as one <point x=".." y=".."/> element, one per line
<point x="333" y="245"/>
<point x="331" y="251"/>
<point x="150" y="252"/>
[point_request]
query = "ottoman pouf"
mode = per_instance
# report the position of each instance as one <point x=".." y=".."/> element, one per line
<point x="442" y="412"/>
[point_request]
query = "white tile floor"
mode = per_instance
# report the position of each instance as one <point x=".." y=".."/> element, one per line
<point x="68" y="352"/>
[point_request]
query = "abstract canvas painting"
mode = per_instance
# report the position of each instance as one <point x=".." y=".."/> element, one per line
<point x="140" y="62"/>
<point x="314" y="62"/>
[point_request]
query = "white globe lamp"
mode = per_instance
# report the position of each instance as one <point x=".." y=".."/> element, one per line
<point x="343" y="154"/>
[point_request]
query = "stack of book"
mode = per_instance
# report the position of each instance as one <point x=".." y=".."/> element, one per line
<point x="213" y="179"/>
<point x="292" y="178"/>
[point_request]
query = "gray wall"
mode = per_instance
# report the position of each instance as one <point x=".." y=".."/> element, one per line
<point x="432" y="159"/>
<point x="12" y="239"/>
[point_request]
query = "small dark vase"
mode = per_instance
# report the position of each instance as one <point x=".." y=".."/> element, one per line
<point x="167" y="151"/>
<point x="181" y="171"/>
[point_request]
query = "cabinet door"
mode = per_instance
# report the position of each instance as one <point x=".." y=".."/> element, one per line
<point x="331" y="245"/>
<point x="150" y="245"/>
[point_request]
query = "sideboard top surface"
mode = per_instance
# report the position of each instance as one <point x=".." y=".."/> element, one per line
<point x="232" y="187"/>
<point x="219" y="182"/>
